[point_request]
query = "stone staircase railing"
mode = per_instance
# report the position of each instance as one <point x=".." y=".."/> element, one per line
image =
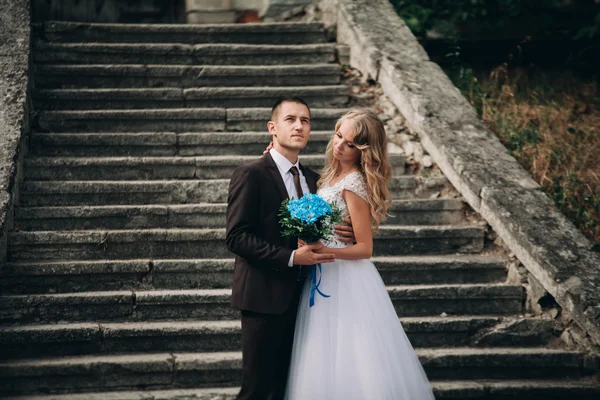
<point x="14" y="125"/>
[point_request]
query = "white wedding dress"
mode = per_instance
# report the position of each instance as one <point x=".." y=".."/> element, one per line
<point x="351" y="346"/>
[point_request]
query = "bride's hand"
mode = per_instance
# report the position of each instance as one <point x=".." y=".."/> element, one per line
<point x="301" y="243"/>
<point x="269" y="147"/>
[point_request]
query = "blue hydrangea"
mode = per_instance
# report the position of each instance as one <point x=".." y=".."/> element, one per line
<point x="309" y="208"/>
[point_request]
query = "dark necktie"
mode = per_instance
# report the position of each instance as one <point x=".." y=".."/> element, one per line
<point x="296" y="174"/>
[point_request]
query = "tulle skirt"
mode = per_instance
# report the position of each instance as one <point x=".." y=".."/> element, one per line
<point x="351" y="346"/>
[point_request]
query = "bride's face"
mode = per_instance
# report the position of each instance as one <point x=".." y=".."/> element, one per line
<point x="344" y="149"/>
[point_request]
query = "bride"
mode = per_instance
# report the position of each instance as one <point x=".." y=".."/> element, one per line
<point x="352" y="345"/>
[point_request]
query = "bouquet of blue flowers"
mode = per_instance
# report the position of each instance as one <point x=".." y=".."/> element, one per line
<point x="309" y="218"/>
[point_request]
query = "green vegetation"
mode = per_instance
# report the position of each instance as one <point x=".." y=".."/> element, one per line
<point x="464" y="19"/>
<point x="551" y="125"/>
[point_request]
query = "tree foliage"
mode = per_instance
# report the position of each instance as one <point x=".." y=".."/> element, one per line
<point x="464" y="19"/>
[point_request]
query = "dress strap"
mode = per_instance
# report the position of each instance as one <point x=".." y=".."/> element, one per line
<point x="355" y="183"/>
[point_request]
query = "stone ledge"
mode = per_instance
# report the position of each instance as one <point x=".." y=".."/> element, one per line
<point x="14" y="66"/>
<point x="471" y="156"/>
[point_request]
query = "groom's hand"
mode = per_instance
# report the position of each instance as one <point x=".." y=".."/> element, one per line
<point x="306" y="255"/>
<point x="345" y="233"/>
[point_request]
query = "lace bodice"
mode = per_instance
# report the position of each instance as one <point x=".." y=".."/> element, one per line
<point x="353" y="182"/>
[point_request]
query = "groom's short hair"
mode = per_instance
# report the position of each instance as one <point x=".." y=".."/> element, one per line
<point x="288" y="99"/>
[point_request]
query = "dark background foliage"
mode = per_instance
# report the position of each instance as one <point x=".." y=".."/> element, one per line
<point x="530" y="68"/>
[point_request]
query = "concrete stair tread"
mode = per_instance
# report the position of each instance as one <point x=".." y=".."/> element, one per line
<point x="183" y="54"/>
<point x="223" y="295"/>
<point x="58" y="186"/>
<point x="142" y="98"/>
<point x="184" y="370"/>
<point x="96" y="337"/>
<point x="167" y="93"/>
<point x="175" y="234"/>
<point x="171" y="119"/>
<point x="157" y="167"/>
<point x="162" y="138"/>
<point x="59" y="338"/>
<point x="161" y="243"/>
<point x="133" y="160"/>
<point x="211" y="48"/>
<point x="297" y="32"/>
<point x="214" y="304"/>
<point x="182" y="76"/>
<point x="66" y="365"/>
<point x="63" y="276"/>
<point x="166" y="137"/>
<point x="178" y="70"/>
<point x="173" y="191"/>
<point x="61" y="267"/>
<point x="270" y="27"/>
<point x="109" y="210"/>
<point x="235" y="113"/>
<point x="159" y="144"/>
<point x="309" y="159"/>
<point x="442" y="389"/>
<point x="26" y="333"/>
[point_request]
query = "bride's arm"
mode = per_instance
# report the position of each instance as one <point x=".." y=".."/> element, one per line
<point x="360" y="214"/>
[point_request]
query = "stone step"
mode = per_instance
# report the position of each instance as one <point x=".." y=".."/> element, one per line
<point x="267" y="33"/>
<point x="147" y="274"/>
<point x="62" y="193"/>
<point x="557" y="389"/>
<point x="149" y="98"/>
<point x="180" y="370"/>
<point x="214" y="304"/>
<point x="203" y="215"/>
<point x="153" y="144"/>
<point x="182" y="54"/>
<point x="172" y="120"/>
<point x="426" y="212"/>
<point x="178" y="243"/>
<point x="50" y="76"/>
<point x="153" y="168"/>
<point x="31" y="341"/>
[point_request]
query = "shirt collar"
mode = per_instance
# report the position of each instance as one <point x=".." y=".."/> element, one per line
<point x="283" y="163"/>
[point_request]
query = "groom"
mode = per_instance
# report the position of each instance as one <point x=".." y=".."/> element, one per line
<point x="269" y="273"/>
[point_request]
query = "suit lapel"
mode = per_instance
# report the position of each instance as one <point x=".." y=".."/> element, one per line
<point x="274" y="172"/>
<point x="311" y="180"/>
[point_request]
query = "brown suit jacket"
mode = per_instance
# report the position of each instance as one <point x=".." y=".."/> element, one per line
<point x="262" y="280"/>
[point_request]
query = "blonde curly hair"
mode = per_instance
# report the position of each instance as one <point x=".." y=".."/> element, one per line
<point x="374" y="164"/>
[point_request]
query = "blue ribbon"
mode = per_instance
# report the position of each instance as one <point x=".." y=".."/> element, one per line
<point x="314" y="287"/>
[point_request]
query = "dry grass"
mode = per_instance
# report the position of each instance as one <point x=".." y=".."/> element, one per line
<point x="551" y="125"/>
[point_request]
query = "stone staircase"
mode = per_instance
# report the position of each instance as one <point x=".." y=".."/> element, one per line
<point x="118" y="279"/>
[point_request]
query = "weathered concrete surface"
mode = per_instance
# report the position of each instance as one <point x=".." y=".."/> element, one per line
<point x="71" y="31"/>
<point x="14" y="60"/>
<point x="178" y="370"/>
<point x="273" y="8"/>
<point x="470" y="155"/>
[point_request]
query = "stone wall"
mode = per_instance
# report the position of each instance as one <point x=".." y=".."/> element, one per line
<point x="14" y="67"/>
<point x="556" y="254"/>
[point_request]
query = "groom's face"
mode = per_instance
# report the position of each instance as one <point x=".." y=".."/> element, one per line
<point x="291" y="125"/>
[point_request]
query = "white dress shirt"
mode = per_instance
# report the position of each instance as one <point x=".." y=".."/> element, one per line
<point x="284" y="165"/>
